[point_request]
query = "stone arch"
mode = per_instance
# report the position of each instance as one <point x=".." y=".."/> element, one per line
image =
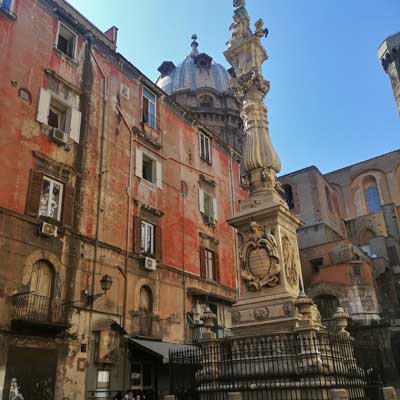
<point x="152" y="287"/>
<point x="362" y="182"/>
<point x="327" y="305"/>
<point x="59" y="271"/>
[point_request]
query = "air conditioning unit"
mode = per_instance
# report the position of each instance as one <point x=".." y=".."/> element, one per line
<point x="150" y="264"/>
<point x="59" y="136"/>
<point x="48" y="229"/>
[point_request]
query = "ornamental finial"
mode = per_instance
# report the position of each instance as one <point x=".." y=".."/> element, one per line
<point x="194" y="45"/>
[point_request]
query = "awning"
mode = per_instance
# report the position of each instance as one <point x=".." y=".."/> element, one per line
<point x="104" y="324"/>
<point x="159" y="349"/>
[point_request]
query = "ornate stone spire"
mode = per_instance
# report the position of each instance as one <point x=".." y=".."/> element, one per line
<point x="194" y="46"/>
<point x="246" y="54"/>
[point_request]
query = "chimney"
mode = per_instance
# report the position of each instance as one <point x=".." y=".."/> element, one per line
<point x="112" y="34"/>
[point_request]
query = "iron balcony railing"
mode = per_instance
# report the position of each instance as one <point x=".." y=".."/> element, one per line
<point x="36" y="309"/>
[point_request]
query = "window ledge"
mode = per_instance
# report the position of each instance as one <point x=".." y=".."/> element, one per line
<point x="148" y="184"/>
<point x="67" y="58"/>
<point x="8" y="14"/>
<point x="205" y="160"/>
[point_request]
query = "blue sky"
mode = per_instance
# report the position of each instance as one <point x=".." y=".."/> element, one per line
<point x="330" y="103"/>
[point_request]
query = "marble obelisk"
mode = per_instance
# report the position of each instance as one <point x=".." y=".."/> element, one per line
<point x="271" y="280"/>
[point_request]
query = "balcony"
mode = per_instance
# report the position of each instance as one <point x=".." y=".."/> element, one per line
<point x="30" y="310"/>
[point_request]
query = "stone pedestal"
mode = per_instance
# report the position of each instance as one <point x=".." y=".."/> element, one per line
<point x="270" y="270"/>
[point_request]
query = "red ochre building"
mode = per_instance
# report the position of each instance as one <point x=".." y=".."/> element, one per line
<point x="113" y="205"/>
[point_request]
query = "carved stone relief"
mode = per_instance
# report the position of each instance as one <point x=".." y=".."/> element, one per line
<point x="261" y="313"/>
<point x="235" y="316"/>
<point x="289" y="259"/>
<point x="259" y="258"/>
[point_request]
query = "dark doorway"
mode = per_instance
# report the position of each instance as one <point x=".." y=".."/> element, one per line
<point x="32" y="371"/>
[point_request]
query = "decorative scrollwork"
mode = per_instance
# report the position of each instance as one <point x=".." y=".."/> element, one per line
<point x="289" y="259"/>
<point x="260" y="259"/>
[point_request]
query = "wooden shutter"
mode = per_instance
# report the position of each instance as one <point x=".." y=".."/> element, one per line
<point x="217" y="274"/>
<point x="215" y="209"/>
<point x="68" y="205"/>
<point x="202" y="262"/>
<point x="137" y="235"/>
<point x="201" y="200"/>
<point x="159" y="174"/>
<point x="139" y="163"/>
<point x="75" y="125"/>
<point x="158" y="242"/>
<point x="43" y="106"/>
<point x="35" y="191"/>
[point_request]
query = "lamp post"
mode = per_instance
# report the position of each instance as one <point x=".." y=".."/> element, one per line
<point x="105" y="284"/>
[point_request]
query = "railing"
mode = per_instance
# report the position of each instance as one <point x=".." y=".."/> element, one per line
<point x="277" y="367"/>
<point x="36" y="309"/>
<point x="199" y="332"/>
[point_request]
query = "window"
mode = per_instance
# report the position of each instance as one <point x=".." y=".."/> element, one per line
<point x="57" y="115"/>
<point x="60" y="112"/>
<point x="316" y="264"/>
<point x="51" y="198"/>
<point x="208" y="206"/>
<point x="147" y="238"/>
<point x="372" y="199"/>
<point x="66" y="40"/>
<point x="205" y="147"/>
<point x="356" y="270"/>
<point x="289" y="196"/>
<point x="149" y="108"/>
<point x="148" y="168"/>
<point x="42" y="279"/>
<point x="141" y="376"/>
<point x="48" y="197"/>
<point x="209" y="264"/>
<point x="103" y="379"/>
<point x="206" y="101"/>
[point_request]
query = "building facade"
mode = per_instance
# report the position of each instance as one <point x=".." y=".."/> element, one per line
<point x="350" y="245"/>
<point x="113" y="207"/>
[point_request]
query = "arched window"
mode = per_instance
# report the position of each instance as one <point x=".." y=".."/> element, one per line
<point x="371" y="195"/>
<point x="42" y="279"/>
<point x="145" y="312"/>
<point x="289" y="195"/>
<point x="206" y="101"/>
<point x="146" y="300"/>
<point x="327" y="305"/>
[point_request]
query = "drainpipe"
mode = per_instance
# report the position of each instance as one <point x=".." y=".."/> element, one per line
<point x="183" y="188"/>
<point x="99" y="189"/>
<point x="234" y="235"/>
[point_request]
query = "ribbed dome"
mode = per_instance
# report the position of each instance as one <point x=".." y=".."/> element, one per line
<point x="194" y="72"/>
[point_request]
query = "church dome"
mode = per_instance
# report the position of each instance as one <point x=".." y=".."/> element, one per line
<point x="196" y="71"/>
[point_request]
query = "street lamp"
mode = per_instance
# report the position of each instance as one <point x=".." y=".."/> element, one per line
<point x="105" y="283"/>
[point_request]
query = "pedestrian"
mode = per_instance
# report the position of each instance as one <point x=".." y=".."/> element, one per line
<point x="129" y="395"/>
<point x="118" y="396"/>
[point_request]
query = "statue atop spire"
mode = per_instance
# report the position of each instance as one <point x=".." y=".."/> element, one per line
<point x="246" y="54"/>
<point x="194" y="45"/>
